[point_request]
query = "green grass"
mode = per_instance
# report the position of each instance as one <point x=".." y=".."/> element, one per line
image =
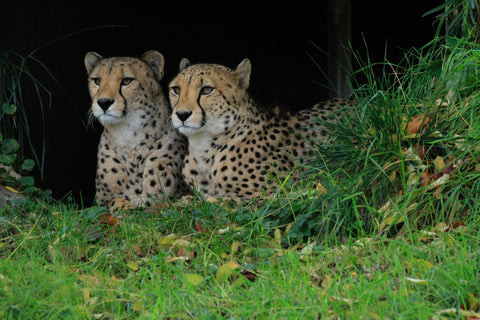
<point x="383" y="227"/>
<point x="58" y="263"/>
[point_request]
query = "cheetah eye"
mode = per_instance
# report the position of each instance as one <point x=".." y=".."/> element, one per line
<point x="126" y="81"/>
<point x="175" y="90"/>
<point x="96" y="81"/>
<point x="205" y="91"/>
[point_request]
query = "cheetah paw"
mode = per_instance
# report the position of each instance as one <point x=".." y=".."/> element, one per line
<point x="118" y="204"/>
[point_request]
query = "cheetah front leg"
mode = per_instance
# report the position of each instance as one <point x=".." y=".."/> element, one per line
<point x="112" y="177"/>
<point x="161" y="178"/>
<point x="196" y="178"/>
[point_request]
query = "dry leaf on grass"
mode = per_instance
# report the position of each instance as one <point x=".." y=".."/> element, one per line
<point x="108" y="219"/>
<point x="187" y="253"/>
<point x="226" y="270"/>
<point x="418" y="124"/>
<point x="193" y="279"/>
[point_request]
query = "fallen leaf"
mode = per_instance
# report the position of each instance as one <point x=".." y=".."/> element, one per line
<point x="418" y="124"/>
<point x="326" y="282"/>
<point x="439" y="181"/>
<point x="189" y="254"/>
<point x="417" y="281"/>
<point x="199" y="227"/>
<point x="321" y="189"/>
<point x="224" y="230"/>
<point x="425" y="178"/>
<point x="454" y="311"/>
<point x="193" y="279"/>
<point x="181" y="243"/>
<point x="137" y="306"/>
<point x="439" y="163"/>
<point x="137" y="249"/>
<point x="12" y="189"/>
<point x="394" y="218"/>
<point x="226" y="270"/>
<point x="173" y="259"/>
<point x="168" y="240"/>
<point x="374" y="315"/>
<point x="108" y="219"/>
<point x="449" y="226"/>
<point x="307" y="250"/>
<point x="224" y="255"/>
<point x="420" y="150"/>
<point x="132" y="265"/>
<point x="426" y="265"/>
<point x="249" y="275"/>
<point x="450" y="165"/>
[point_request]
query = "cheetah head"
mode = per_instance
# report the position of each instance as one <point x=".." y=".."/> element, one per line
<point x="121" y="86"/>
<point x="206" y="98"/>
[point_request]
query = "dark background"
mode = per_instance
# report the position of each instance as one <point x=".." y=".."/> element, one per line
<point x="275" y="38"/>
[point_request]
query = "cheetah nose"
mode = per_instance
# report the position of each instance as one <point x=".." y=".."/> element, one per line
<point x="105" y="103"/>
<point x="183" y="115"/>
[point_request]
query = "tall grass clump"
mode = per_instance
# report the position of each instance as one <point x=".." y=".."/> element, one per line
<point x="407" y="152"/>
<point x="458" y="18"/>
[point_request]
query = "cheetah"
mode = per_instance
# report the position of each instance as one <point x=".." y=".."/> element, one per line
<point x="140" y="154"/>
<point x="235" y="145"/>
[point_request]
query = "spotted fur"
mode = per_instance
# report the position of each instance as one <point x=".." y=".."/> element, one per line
<point x="235" y="146"/>
<point x="140" y="154"/>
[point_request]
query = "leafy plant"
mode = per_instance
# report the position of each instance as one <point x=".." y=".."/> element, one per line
<point x="14" y="74"/>
<point x="460" y="18"/>
<point x="8" y="157"/>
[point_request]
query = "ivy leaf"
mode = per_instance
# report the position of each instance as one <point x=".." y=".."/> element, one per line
<point x="9" y="109"/>
<point x="7" y="159"/>
<point x="28" y="165"/>
<point x="27" y="181"/>
<point x="9" y="146"/>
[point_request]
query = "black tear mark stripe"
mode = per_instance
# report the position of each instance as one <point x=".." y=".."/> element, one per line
<point x="124" y="112"/>
<point x="204" y="115"/>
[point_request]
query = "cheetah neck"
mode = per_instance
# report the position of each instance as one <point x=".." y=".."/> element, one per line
<point x="142" y="127"/>
<point x="204" y="144"/>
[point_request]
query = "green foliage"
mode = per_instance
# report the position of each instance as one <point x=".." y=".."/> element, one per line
<point x="57" y="261"/>
<point x="389" y="164"/>
<point x="14" y="76"/>
<point x="8" y="159"/>
<point x="460" y="18"/>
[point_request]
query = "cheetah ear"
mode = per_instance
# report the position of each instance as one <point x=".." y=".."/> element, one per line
<point x="91" y="59"/>
<point x="156" y="61"/>
<point x="184" y="63"/>
<point x="243" y="73"/>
